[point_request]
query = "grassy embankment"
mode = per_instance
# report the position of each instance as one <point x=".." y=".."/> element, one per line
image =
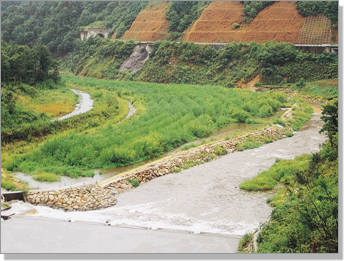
<point x="324" y="89"/>
<point x="305" y="215"/>
<point x="167" y="117"/>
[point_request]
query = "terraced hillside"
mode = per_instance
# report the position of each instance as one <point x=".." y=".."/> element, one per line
<point x="278" y="22"/>
<point x="150" y="24"/>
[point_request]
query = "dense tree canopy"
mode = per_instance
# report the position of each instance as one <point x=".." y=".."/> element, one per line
<point x="20" y="64"/>
<point x="57" y="24"/>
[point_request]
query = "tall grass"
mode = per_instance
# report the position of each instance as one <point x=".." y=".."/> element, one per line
<point x="283" y="171"/>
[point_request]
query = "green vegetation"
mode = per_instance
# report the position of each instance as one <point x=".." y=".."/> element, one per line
<point x="102" y="58"/>
<point x="96" y="24"/>
<point x="235" y="25"/>
<point x="135" y="183"/>
<point x="8" y="182"/>
<point x="325" y="89"/>
<point x="181" y="14"/>
<point x="252" y="8"/>
<point x="108" y="108"/>
<point x="20" y="64"/>
<point x="47" y="177"/>
<point x="327" y="8"/>
<point x="247" y="238"/>
<point x="57" y="24"/>
<point x="289" y="134"/>
<point x="305" y="215"/>
<point x="301" y="112"/>
<point x="186" y="147"/>
<point x="176" y="170"/>
<point x="6" y="4"/>
<point x="201" y="64"/>
<point x="174" y="115"/>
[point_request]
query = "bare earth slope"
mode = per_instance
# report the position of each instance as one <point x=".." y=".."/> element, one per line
<point x="150" y="24"/>
<point x="278" y="22"/>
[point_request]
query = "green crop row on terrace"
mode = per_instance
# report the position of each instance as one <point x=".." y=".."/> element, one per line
<point x="175" y="114"/>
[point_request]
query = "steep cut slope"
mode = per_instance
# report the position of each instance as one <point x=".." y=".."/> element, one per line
<point x="278" y="22"/>
<point x="150" y="24"/>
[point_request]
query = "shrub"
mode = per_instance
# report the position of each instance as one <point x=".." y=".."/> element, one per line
<point x="213" y="156"/>
<point x="135" y="183"/>
<point x="220" y="150"/>
<point x="46" y="177"/>
<point x="236" y="25"/>
<point x="245" y="240"/>
<point x="176" y="170"/>
<point x="289" y="134"/>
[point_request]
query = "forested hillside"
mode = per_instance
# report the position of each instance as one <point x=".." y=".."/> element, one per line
<point x="57" y="24"/>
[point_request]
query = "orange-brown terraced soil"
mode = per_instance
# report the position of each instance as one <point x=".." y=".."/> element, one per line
<point x="278" y="22"/>
<point x="150" y="24"/>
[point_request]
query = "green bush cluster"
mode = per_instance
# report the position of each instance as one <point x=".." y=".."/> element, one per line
<point x="244" y="241"/>
<point x="20" y="64"/>
<point x="327" y="8"/>
<point x="135" y="183"/>
<point x="181" y="14"/>
<point x="252" y="8"/>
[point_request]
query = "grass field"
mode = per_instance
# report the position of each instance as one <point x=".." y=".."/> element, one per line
<point x="167" y="116"/>
<point x="54" y="103"/>
<point x="320" y="89"/>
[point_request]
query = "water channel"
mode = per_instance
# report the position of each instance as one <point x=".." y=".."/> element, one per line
<point x="68" y="182"/>
<point x="205" y="198"/>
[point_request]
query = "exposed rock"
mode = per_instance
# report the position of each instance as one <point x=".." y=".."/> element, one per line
<point x="81" y="198"/>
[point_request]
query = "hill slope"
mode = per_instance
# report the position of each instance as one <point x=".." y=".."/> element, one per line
<point x="150" y="24"/>
<point x="278" y="22"/>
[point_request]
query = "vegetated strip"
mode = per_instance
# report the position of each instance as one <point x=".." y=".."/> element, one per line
<point x="196" y="156"/>
<point x="305" y="215"/>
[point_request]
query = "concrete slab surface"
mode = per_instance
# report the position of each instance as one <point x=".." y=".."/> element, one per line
<point x="25" y="234"/>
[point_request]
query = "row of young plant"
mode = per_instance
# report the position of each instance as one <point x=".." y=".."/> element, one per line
<point x="175" y="114"/>
<point x="305" y="214"/>
<point x="189" y="63"/>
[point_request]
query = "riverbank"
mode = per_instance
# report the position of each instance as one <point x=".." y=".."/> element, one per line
<point x="205" y="198"/>
<point x="125" y="181"/>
